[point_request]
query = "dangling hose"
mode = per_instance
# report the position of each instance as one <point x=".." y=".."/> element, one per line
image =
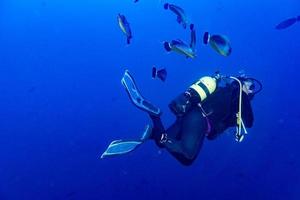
<point x="240" y="123"/>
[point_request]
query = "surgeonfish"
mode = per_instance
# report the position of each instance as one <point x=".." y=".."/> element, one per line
<point x="287" y="23"/>
<point x="181" y="17"/>
<point x="125" y="27"/>
<point x="180" y="47"/>
<point x="159" y="73"/>
<point x="219" y="43"/>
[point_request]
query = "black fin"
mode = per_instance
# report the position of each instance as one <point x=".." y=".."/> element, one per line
<point x="206" y="38"/>
<point x="192" y="26"/>
<point x="229" y="51"/>
<point x="154" y="71"/>
<point x="166" y="6"/>
<point x="167" y="46"/>
<point x="162" y="74"/>
<point x="128" y="40"/>
<point x="179" y="20"/>
<point x="193" y="37"/>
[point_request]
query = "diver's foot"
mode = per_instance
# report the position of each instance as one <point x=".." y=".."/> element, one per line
<point x="161" y="140"/>
<point x="135" y="96"/>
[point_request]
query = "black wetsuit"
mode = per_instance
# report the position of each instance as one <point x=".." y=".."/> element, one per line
<point x="186" y="135"/>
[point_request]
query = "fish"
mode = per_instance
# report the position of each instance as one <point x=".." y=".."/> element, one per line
<point x="219" y="43"/>
<point x="180" y="47"/>
<point x="181" y="17"/>
<point x="159" y="73"/>
<point x="193" y="37"/>
<point x="136" y="1"/>
<point x="125" y="27"/>
<point x="287" y="23"/>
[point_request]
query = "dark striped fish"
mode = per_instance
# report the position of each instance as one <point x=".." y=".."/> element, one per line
<point x="219" y="43"/>
<point x="181" y="17"/>
<point x="180" y="47"/>
<point x="125" y="27"/>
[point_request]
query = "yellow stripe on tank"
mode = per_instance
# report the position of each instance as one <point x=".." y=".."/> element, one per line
<point x="199" y="90"/>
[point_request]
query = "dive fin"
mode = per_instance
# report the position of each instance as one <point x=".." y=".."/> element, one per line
<point x="147" y="133"/>
<point x="135" y="96"/>
<point x="120" y="147"/>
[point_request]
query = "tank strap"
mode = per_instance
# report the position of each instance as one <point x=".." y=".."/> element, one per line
<point x="205" y="115"/>
<point x="209" y="127"/>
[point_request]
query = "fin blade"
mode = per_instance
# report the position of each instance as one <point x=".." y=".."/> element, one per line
<point x="120" y="147"/>
<point x="147" y="133"/>
<point x="136" y="98"/>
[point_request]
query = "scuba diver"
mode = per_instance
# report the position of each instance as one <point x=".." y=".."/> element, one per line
<point x="205" y="110"/>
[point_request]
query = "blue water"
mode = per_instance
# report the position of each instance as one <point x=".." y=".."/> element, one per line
<point x="61" y="100"/>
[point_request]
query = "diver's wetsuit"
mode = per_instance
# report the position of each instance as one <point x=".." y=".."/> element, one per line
<point x="186" y="135"/>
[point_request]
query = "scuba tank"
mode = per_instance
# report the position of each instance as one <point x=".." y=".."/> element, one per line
<point x="196" y="93"/>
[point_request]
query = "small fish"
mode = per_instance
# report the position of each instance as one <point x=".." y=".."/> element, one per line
<point x="180" y="47"/>
<point x="125" y="27"/>
<point x="219" y="43"/>
<point x="287" y="23"/>
<point x="161" y="73"/>
<point x="136" y="1"/>
<point x="181" y="17"/>
<point x="193" y="37"/>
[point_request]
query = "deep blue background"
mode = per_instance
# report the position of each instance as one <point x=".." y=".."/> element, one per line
<point x="61" y="101"/>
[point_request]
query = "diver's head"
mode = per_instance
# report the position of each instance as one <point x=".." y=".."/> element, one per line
<point x="251" y="86"/>
<point x="248" y="87"/>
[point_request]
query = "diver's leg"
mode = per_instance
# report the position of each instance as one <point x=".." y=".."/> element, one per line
<point x="135" y="96"/>
<point x="157" y="129"/>
<point x="159" y="132"/>
<point x="186" y="148"/>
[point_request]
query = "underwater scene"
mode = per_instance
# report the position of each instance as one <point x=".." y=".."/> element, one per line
<point x="149" y="99"/>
